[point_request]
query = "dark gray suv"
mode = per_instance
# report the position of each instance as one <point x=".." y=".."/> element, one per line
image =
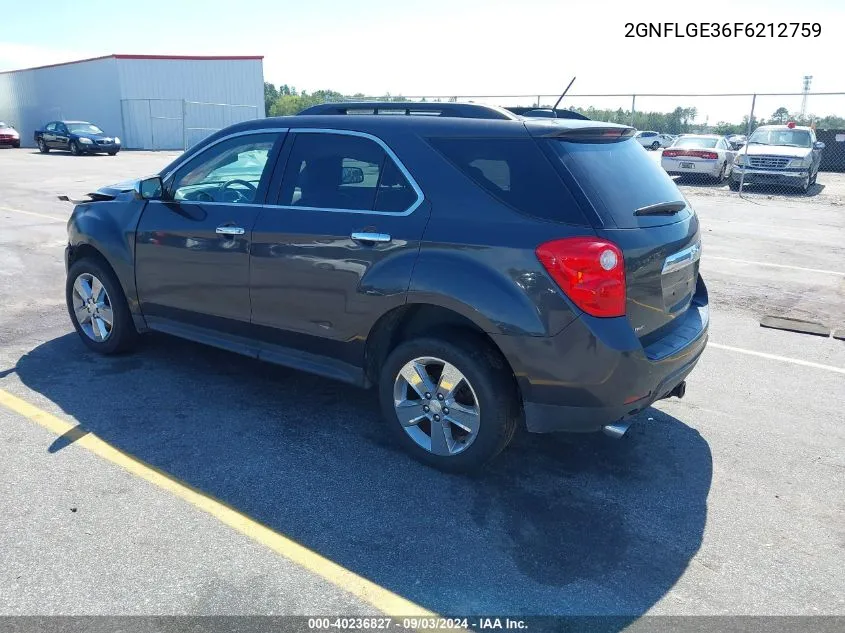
<point x="481" y="269"/>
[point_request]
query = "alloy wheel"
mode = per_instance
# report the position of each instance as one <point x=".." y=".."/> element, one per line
<point x="436" y="406"/>
<point x="92" y="307"/>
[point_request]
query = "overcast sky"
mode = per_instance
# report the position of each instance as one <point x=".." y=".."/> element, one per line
<point x="465" y="47"/>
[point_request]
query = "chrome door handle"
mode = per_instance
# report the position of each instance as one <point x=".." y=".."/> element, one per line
<point x="229" y="230"/>
<point x="371" y="237"/>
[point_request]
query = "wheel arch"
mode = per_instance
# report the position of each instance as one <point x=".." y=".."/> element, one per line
<point x="96" y="233"/>
<point x="426" y="319"/>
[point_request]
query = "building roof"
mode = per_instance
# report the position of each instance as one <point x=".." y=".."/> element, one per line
<point x="125" y="56"/>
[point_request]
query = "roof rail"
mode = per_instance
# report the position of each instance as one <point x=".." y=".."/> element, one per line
<point x="419" y="108"/>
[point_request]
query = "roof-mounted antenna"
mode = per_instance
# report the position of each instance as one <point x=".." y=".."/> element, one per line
<point x="545" y="113"/>
<point x="557" y="103"/>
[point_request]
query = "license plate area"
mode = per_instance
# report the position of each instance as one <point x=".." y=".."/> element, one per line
<point x="678" y="278"/>
<point x="687" y="165"/>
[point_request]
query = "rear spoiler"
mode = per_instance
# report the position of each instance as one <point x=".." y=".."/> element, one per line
<point x="579" y="131"/>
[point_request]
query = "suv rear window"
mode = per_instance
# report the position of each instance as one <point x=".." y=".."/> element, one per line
<point x="618" y="178"/>
<point x="516" y="172"/>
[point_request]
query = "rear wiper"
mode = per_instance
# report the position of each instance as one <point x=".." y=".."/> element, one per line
<point x="662" y="208"/>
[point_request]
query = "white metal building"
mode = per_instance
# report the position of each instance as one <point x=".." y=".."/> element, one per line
<point x="149" y="101"/>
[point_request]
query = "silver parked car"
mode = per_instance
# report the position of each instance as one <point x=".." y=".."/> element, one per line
<point x="699" y="154"/>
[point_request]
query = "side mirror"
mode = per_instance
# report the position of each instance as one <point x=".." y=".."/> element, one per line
<point x="818" y="145"/>
<point x="352" y="176"/>
<point x="148" y="188"/>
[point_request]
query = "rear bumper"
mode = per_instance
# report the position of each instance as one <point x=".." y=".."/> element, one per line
<point x="596" y="371"/>
<point x="701" y="167"/>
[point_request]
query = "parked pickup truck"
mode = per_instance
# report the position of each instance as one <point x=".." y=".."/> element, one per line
<point x="786" y="155"/>
<point x="78" y="137"/>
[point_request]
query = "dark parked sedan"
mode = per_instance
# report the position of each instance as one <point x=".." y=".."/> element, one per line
<point x="481" y="269"/>
<point x="77" y="137"/>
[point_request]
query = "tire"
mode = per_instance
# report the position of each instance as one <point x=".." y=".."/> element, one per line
<point x="74" y="148"/>
<point x="655" y="145"/>
<point x="491" y="387"/>
<point x="815" y="175"/>
<point x="42" y="146"/>
<point x="112" y="153"/>
<point x="16" y="145"/>
<point x="804" y="187"/>
<point x="733" y="184"/>
<point x="122" y="334"/>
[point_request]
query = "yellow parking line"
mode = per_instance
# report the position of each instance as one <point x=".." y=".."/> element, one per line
<point x="34" y="213"/>
<point x="382" y="599"/>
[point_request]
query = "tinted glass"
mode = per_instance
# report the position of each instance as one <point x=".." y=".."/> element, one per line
<point x="516" y="172"/>
<point x="693" y="142"/>
<point x="340" y="171"/>
<point x="619" y="178"/>
<point x="51" y="127"/>
<point x="395" y="193"/>
<point x="83" y="128"/>
<point x="230" y="171"/>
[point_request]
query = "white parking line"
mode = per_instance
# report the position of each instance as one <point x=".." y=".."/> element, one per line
<point x="806" y="270"/>
<point x="784" y="359"/>
<point x="37" y="215"/>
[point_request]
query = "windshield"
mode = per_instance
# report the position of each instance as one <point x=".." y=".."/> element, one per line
<point x="83" y="128"/>
<point x="619" y="178"/>
<point x="791" y="138"/>
<point x="696" y="142"/>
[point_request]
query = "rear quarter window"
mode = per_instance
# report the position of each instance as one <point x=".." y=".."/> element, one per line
<point x="516" y="172"/>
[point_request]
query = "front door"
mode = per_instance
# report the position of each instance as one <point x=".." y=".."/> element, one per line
<point x="192" y="246"/>
<point x="336" y="249"/>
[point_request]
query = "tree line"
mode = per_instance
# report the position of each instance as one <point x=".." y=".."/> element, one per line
<point x="287" y="100"/>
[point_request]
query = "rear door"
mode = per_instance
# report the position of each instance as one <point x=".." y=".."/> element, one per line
<point x="336" y="249"/>
<point x="647" y="216"/>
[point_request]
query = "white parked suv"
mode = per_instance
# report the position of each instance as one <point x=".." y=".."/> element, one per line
<point x="653" y="140"/>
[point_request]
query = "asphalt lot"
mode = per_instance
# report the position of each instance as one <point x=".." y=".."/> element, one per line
<point x="729" y="501"/>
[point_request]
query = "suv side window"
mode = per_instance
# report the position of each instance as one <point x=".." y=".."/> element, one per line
<point x="51" y="127"/>
<point x="61" y="128"/>
<point x="516" y="172"/>
<point x="343" y="172"/>
<point x="229" y="172"/>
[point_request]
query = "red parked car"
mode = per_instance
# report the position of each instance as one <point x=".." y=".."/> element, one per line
<point x="9" y="135"/>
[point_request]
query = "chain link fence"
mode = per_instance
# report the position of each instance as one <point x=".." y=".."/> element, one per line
<point x="177" y="124"/>
<point x="721" y="141"/>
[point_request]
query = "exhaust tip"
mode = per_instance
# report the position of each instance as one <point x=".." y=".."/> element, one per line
<point x="617" y="429"/>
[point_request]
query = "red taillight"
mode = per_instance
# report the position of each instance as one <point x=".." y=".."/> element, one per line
<point x="697" y="153"/>
<point x="590" y="271"/>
